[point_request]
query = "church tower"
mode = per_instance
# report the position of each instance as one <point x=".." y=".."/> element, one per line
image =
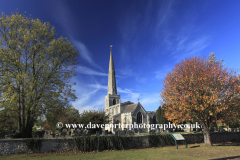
<point x="112" y="100"/>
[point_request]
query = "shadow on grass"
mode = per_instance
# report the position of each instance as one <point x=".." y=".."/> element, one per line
<point x="228" y="144"/>
<point x="195" y="146"/>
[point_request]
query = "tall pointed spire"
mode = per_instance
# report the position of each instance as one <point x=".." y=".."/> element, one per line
<point x="112" y="88"/>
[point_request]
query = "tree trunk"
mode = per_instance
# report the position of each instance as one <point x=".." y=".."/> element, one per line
<point x="207" y="137"/>
<point x="29" y="124"/>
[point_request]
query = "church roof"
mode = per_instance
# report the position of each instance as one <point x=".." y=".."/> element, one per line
<point x="128" y="102"/>
<point x="131" y="108"/>
<point x="151" y="113"/>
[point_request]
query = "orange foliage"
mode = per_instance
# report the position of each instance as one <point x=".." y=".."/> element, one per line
<point x="200" y="88"/>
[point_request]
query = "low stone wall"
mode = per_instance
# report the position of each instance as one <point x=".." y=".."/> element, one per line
<point x="18" y="146"/>
<point x="215" y="137"/>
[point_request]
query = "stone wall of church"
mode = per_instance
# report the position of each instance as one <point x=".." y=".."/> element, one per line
<point x="134" y="115"/>
<point x="126" y="118"/>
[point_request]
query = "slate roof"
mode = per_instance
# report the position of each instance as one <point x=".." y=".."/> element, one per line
<point x="131" y="108"/>
<point x="151" y="113"/>
<point x="128" y="102"/>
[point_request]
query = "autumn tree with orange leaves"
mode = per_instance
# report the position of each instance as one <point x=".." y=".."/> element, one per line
<point x="201" y="89"/>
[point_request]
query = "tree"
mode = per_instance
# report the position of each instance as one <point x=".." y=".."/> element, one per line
<point x="66" y="115"/>
<point x="35" y="68"/>
<point x="93" y="116"/>
<point x="8" y="119"/>
<point x="201" y="89"/>
<point x="160" y="115"/>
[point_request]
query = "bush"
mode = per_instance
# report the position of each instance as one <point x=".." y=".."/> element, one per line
<point x="93" y="143"/>
<point x="160" y="140"/>
<point x="38" y="134"/>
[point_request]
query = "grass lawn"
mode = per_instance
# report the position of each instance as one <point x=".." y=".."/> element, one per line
<point x="194" y="151"/>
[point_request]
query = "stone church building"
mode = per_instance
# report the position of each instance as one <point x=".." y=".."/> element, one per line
<point x="127" y="112"/>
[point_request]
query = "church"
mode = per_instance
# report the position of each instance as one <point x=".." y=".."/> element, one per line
<point x="127" y="112"/>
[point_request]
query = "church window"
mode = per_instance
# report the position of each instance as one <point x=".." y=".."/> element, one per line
<point x="114" y="101"/>
<point x="139" y="117"/>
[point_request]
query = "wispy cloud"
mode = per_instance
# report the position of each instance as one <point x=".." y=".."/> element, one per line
<point x="98" y="104"/>
<point x="130" y="93"/>
<point x="147" y="100"/>
<point x="164" y="12"/>
<point x="85" y="53"/>
<point x="192" y="47"/>
<point x="83" y="98"/>
<point x="98" y="86"/>
<point x="86" y="70"/>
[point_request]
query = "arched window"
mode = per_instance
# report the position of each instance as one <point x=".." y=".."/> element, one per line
<point x="114" y="101"/>
<point x="154" y="120"/>
<point x="139" y="117"/>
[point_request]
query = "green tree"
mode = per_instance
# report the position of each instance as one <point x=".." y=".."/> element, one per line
<point x="94" y="116"/>
<point x="66" y="115"/>
<point x="160" y="115"/>
<point x="36" y="68"/>
<point x="8" y="119"/>
<point x="201" y="89"/>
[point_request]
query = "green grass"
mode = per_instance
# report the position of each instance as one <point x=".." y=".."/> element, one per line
<point x="194" y="151"/>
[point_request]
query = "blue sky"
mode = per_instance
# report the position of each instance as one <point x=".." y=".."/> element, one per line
<point x="148" y="38"/>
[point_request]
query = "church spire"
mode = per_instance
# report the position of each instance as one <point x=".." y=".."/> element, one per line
<point x="112" y="88"/>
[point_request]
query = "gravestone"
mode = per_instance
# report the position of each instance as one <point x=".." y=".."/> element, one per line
<point x="150" y="132"/>
<point x="117" y="132"/>
<point x="97" y="133"/>
<point x="85" y="132"/>
<point x="63" y="134"/>
<point x="130" y="133"/>
<point x="106" y="132"/>
<point x="158" y="131"/>
<point x="153" y="131"/>
<point x="78" y="132"/>
<point x="53" y="134"/>
<point x="161" y="129"/>
<point x="64" y="130"/>
<point x="72" y="132"/>
<point x="166" y="131"/>
<point x="120" y="133"/>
